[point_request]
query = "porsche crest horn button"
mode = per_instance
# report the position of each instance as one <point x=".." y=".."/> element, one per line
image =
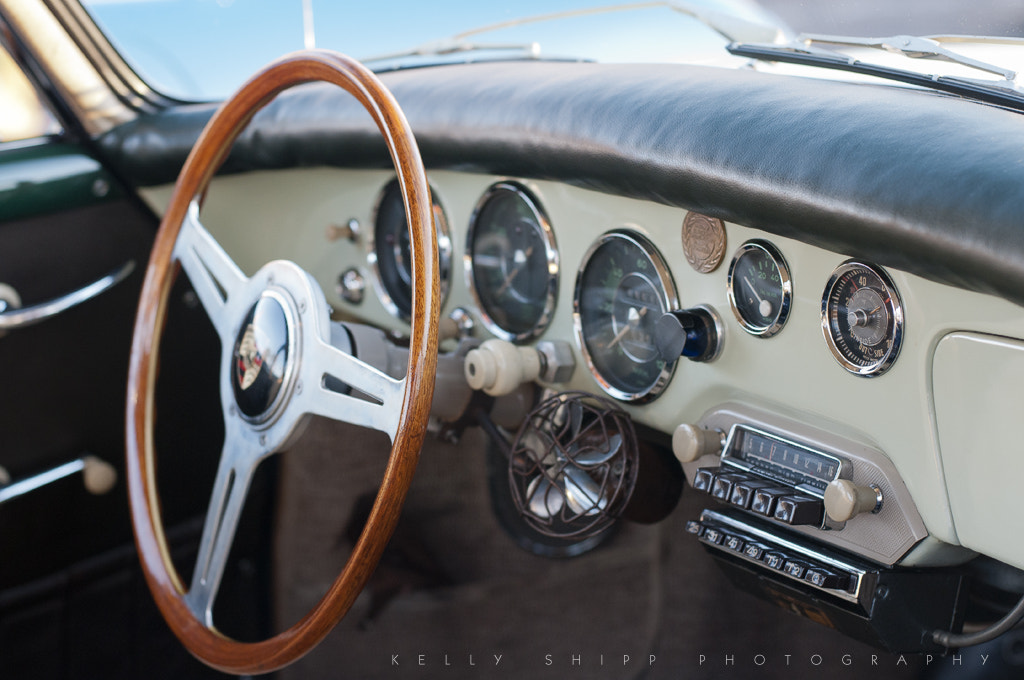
<point x="260" y="358"/>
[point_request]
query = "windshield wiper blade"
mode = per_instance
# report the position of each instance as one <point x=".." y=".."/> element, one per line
<point x="915" y="47"/>
<point x="449" y="46"/>
<point x="727" y="25"/>
<point x="806" y="50"/>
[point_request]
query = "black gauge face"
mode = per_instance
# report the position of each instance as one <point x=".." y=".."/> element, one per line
<point x="391" y="254"/>
<point x="862" y="318"/>
<point x="622" y="290"/>
<point x="760" y="288"/>
<point x="512" y="263"/>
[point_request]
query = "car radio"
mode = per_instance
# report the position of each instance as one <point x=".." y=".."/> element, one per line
<point x="786" y="481"/>
<point x="818" y="523"/>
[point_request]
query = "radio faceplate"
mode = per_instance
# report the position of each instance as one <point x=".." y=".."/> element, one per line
<point x="788" y="462"/>
<point x="770" y="461"/>
<point x="773" y="476"/>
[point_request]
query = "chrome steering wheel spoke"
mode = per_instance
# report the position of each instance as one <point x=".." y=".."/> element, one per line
<point x="239" y="460"/>
<point x="359" y="394"/>
<point x="213" y="274"/>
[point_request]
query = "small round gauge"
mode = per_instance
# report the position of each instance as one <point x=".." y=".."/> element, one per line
<point x="862" y="318"/>
<point x="512" y="263"/>
<point x="760" y="289"/>
<point x="390" y="254"/>
<point x="622" y="289"/>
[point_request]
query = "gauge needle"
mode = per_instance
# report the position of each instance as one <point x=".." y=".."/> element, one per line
<point x="763" y="306"/>
<point x="633" y="321"/>
<point x="512" y="274"/>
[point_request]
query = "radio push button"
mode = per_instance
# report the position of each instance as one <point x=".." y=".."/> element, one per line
<point x="743" y="491"/>
<point x="734" y="543"/>
<point x="798" y="510"/>
<point x="722" y="488"/>
<point x="775" y="560"/>
<point x="704" y="479"/>
<point x="713" y="536"/>
<point x="765" y="499"/>
<point x="754" y="551"/>
<point x="824" y="578"/>
<point x="795" y="569"/>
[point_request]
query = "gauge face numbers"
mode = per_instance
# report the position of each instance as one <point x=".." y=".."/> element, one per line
<point x="760" y="289"/>
<point x="512" y="263"/>
<point x="782" y="460"/>
<point x="391" y="255"/>
<point x="862" y="318"/>
<point x="622" y="289"/>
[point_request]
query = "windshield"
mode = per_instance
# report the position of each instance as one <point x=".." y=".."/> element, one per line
<point x="204" y="49"/>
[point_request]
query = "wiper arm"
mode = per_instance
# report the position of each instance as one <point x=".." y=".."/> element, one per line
<point x="727" y="25"/>
<point x="806" y="50"/>
<point x="456" y="46"/>
<point x="911" y="46"/>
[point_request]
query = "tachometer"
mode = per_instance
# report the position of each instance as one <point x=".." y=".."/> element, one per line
<point x="862" y="318"/>
<point x="512" y="263"/>
<point x="760" y="289"/>
<point x="622" y="289"/>
<point x="390" y="255"/>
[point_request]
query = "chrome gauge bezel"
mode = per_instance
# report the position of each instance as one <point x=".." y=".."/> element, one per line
<point x="669" y="301"/>
<point x="894" y="309"/>
<point x="785" y="288"/>
<point x="547" y="237"/>
<point x="444" y="251"/>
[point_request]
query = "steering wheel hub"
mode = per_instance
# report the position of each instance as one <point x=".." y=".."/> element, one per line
<point x="262" y="358"/>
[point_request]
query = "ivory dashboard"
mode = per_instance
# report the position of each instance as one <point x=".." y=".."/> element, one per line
<point x="812" y="395"/>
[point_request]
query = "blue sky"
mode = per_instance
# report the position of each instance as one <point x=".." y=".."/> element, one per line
<point x="206" y="48"/>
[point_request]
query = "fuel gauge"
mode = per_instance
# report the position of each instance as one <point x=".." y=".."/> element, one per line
<point x="760" y="289"/>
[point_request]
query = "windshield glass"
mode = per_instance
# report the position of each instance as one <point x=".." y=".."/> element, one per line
<point x="204" y="49"/>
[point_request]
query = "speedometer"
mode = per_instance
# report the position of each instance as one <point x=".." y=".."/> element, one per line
<point x="512" y="263"/>
<point x="622" y="289"/>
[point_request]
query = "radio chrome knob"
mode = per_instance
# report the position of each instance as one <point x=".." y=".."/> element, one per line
<point x="844" y="500"/>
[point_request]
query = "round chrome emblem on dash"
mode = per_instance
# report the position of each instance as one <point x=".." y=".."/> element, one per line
<point x="260" y="358"/>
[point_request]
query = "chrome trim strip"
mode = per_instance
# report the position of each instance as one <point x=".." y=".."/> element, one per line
<point x="858" y="574"/>
<point x="28" y="316"/>
<point x="25" y="486"/>
<point x="99" y="477"/>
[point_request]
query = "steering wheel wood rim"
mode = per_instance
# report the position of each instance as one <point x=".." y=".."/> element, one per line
<point x="167" y="588"/>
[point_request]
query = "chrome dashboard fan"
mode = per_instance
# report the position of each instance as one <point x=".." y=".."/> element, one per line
<point x="573" y="465"/>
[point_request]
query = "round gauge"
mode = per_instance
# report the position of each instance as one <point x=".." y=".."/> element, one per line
<point x="390" y="255"/>
<point x="760" y="289"/>
<point x="622" y="289"/>
<point x="512" y="263"/>
<point x="862" y="318"/>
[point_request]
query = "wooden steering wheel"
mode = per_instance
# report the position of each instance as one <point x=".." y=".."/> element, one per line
<point x="276" y="351"/>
